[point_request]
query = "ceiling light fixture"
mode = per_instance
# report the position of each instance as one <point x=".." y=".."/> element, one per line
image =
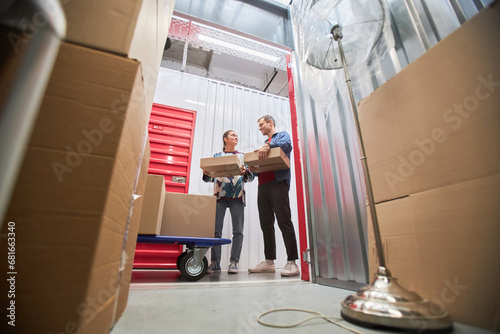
<point x="237" y="47"/>
<point x="195" y="102"/>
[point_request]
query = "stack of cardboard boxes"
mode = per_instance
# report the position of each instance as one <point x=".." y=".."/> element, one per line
<point x="190" y="215"/>
<point x="229" y="165"/>
<point x="77" y="202"/>
<point x="174" y="214"/>
<point x="433" y="147"/>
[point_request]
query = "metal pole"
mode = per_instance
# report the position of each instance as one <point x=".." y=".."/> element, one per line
<point x="337" y="35"/>
<point x="385" y="302"/>
<point x="24" y="92"/>
<point x="271" y="80"/>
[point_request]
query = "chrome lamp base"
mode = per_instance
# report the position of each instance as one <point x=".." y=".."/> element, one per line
<point x="385" y="303"/>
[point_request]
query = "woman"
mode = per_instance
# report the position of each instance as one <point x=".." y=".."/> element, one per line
<point x="230" y="194"/>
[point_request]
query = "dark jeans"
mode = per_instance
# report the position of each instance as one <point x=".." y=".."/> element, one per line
<point x="273" y="200"/>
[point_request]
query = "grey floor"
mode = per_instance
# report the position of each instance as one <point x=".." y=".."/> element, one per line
<point x="163" y="302"/>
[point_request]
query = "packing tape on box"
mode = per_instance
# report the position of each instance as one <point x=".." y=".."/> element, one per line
<point x="124" y="259"/>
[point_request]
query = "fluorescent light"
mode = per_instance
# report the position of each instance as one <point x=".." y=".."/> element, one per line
<point x="195" y="102"/>
<point x="237" y="47"/>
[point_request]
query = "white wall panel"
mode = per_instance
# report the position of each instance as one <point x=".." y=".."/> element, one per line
<point x="219" y="107"/>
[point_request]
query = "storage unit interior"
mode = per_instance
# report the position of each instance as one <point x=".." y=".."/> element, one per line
<point x="226" y="63"/>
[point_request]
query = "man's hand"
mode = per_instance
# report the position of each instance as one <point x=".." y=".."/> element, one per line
<point x="243" y="170"/>
<point x="264" y="152"/>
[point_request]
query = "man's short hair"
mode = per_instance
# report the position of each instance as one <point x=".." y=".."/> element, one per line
<point x="267" y="118"/>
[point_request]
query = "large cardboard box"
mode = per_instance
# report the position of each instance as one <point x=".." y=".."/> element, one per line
<point x="433" y="149"/>
<point x="127" y="260"/>
<point x="137" y="29"/>
<point x="443" y="244"/>
<point x="188" y="215"/>
<point x="74" y="193"/>
<point x="436" y="122"/>
<point x="276" y="160"/>
<point x="154" y="200"/>
<point x="228" y="165"/>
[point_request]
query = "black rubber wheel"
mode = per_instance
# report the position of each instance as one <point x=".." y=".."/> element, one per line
<point x="190" y="272"/>
<point x="179" y="258"/>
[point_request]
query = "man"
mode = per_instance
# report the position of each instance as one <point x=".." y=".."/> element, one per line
<point x="272" y="199"/>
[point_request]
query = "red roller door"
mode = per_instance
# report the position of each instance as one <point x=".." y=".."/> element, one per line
<point x="171" y="133"/>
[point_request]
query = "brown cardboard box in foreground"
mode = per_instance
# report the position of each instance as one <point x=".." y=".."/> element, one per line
<point x="154" y="200"/>
<point x="436" y="123"/>
<point x="433" y="147"/>
<point x="131" y="236"/>
<point x="228" y="165"/>
<point x="73" y="197"/>
<point x="276" y="160"/>
<point x="135" y="28"/>
<point x="443" y="244"/>
<point x="189" y="215"/>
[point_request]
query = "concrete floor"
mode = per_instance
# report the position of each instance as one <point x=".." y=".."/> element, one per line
<point x="164" y="302"/>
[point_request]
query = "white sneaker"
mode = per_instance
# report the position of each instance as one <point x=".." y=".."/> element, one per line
<point x="291" y="269"/>
<point x="263" y="267"/>
<point x="233" y="268"/>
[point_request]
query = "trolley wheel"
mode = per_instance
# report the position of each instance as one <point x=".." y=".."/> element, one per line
<point x="190" y="271"/>
<point x="179" y="258"/>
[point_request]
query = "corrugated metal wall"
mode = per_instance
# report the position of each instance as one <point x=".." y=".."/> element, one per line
<point x="334" y="182"/>
<point x="220" y="107"/>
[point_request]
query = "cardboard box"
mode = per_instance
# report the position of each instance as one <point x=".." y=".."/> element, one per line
<point x="436" y="122"/>
<point x="276" y="160"/>
<point x="154" y="200"/>
<point x="228" y="165"/>
<point x="443" y="244"/>
<point x="128" y="253"/>
<point x="433" y="149"/>
<point x="137" y="29"/>
<point x="74" y="191"/>
<point x="189" y="215"/>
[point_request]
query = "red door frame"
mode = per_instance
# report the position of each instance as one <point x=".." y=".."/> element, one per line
<point x="304" y="266"/>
